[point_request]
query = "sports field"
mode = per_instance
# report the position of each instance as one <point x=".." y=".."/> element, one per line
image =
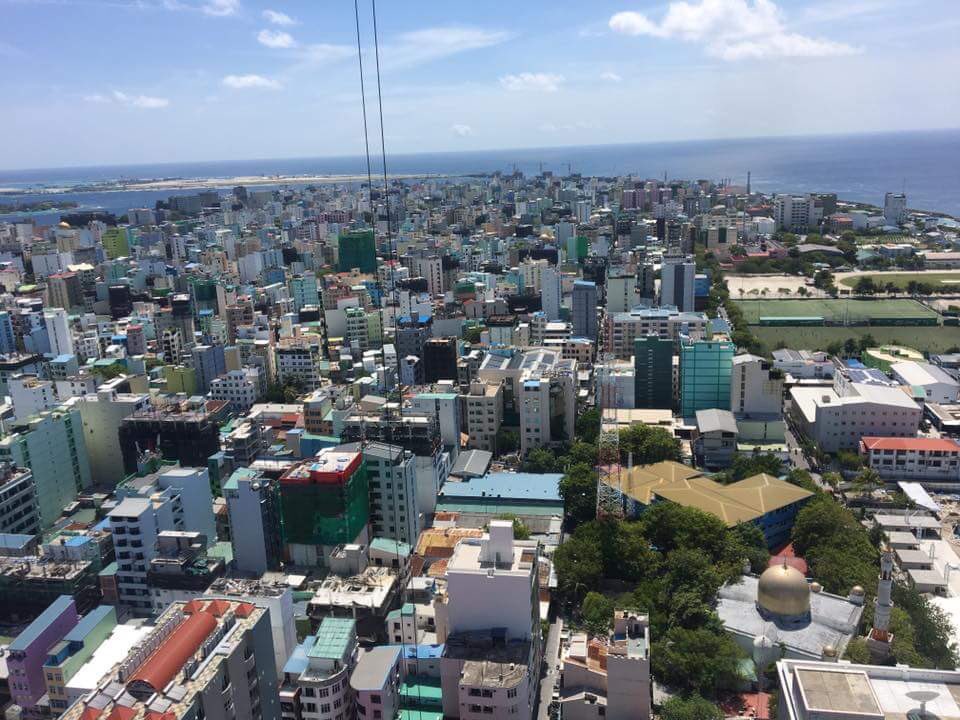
<point x="932" y="339"/>
<point x="901" y="280"/>
<point x="837" y="311"/>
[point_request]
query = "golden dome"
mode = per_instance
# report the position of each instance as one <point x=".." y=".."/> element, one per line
<point x="65" y="225"/>
<point x="783" y="590"/>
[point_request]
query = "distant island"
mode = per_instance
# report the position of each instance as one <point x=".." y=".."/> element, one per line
<point x="37" y="206"/>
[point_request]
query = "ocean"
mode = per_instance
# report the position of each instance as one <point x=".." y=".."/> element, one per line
<point x="856" y="167"/>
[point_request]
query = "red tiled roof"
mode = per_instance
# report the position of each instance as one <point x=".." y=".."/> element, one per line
<point x="894" y="443"/>
<point x="122" y="712"/>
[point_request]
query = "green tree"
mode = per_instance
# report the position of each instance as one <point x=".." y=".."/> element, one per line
<point x="858" y="652"/>
<point x="697" y="660"/>
<point x="581" y="453"/>
<point x="692" y="707"/>
<point x="865" y="286"/>
<point x="746" y="465"/>
<point x="588" y="426"/>
<point x="578" y="488"/>
<point x="648" y="444"/>
<point x="597" y="611"/>
<point x="472" y="334"/>
<point x="540" y="460"/>
<point x="802" y="478"/>
<point x="579" y="565"/>
<point x="508" y="441"/>
<point x="867" y="479"/>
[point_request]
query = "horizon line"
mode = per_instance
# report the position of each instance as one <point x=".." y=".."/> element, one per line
<point x="796" y="136"/>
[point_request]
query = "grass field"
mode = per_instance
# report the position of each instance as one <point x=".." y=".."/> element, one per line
<point x="901" y="279"/>
<point x="833" y="309"/>
<point x="932" y="339"/>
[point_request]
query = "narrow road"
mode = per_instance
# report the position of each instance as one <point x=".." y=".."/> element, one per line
<point x="550" y="674"/>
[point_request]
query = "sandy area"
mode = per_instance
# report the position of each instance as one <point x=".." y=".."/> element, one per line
<point x="840" y="276"/>
<point x="775" y="285"/>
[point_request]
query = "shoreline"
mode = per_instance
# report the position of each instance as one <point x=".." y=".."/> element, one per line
<point x="206" y="183"/>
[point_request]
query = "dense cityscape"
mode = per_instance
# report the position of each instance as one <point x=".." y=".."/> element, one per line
<point x="503" y="445"/>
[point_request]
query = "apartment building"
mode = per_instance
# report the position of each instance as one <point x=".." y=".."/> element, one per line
<point x="316" y="678"/>
<point x="935" y="462"/>
<point x="622" y="329"/>
<point x="484" y="414"/>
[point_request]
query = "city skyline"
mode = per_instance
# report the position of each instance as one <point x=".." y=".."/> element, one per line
<point x="274" y="80"/>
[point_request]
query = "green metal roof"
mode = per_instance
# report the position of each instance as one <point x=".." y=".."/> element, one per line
<point x="420" y="690"/>
<point x="492" y="507"/>
<point x="333" y="638"/>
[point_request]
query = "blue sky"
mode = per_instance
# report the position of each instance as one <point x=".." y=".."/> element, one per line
<point x="92" y="82"/>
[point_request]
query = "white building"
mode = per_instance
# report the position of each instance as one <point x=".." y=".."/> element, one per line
<point x="621" y="291"/>
<point x="794" y="213"/>
<point x="666" y="322"/>
<point x="931" y="461"/>
<point x="58" y="330"/>
<point x="102" y="415"/>
<point x="938" y="385"/>
<point x="756" y="389"/>
<point x="239" y="388"/>
<point x="253" y="504"/>
<point x="31" y="395"/>
<point x="316" y="678"/>
<point x="804" y="364"/>
<point x="834" y="422"/>
<point x="608" y="678"/>
<point x="550" y="292"/>
<point x="894" y="208"/>
<point x="484" y="414"/>
<point x="491" y="584"/>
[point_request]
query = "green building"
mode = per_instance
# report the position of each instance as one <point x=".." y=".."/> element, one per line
<point x="180" y="379"/>
<point x="66" y="657"/>
<point x="705" y="370"/>
<point x="115" y="242"/>
<point x="324" y="503"/>
<point x="303" y="291"/>
<point x="653" y="372"/>
<point x="357" y="249"/>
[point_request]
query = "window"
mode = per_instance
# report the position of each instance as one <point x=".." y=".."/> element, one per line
<point x="376" y="700"/>
<point x="325" y="708"/>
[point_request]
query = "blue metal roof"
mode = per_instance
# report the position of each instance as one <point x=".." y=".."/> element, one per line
<point x="29" y="636"/>
<point x="297" y="663"/>
<point x="529" y="487"/>
<point x="14" y="541"/>
<point x="421" y="652"/>
<point x="88" y="622"/>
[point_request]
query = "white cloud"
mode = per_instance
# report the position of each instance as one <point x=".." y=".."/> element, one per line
<point x="610" y="77"/>
<point x="276" y="39"/>
<point x="542" y="82"/>
<point x="247" y="82"/>
<point x="275" y="17"/>
<point x="729" y="29"/>
<point x="221" y="8"/>
<point x="145" y="102"/>
<point x="422" y="46"/>
<point x="462" y="130"/>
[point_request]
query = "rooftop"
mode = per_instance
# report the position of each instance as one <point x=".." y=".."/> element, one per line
<point x="374" y="667"/>
<point x="334" y="638"/>
<point x="32" y="632"/>
<point x="525" y="487"/>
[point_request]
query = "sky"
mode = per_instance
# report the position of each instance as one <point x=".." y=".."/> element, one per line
<point x="102" y="82"/>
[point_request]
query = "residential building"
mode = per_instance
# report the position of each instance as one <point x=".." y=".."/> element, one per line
<point x="715" y="440"/>
<point x="58" y="331"/>
<point x="27" y="653"/>
<point x="376" y="683"/>
<point x="677" y="282"/>
<point x="484" y="414"/>
<point x="584" y="307"/>
<point x="52" y="446"/>
<point x="653" y="372"/>
<point x="621" y="290"/>
<point x="550" y="292"/>
<point x="69" y="655"/>
<point x="489" y="620"/>
<point x="203" y="658"/>
<point x="185" y="432"/>
<point x="357" y="249"/>
<point x="363" y="329"/>
<point x="440" y="359"/>
<point x="325" y="503"/>
<point x="608" y="677"/>
<point x="253" y="503"/>
<point x="240" y="389"/>
<point x="31" y="395"/>
<point x="894" y="208"/>
<point x="756" y="388"/>
<point x="209" y="363"/>
<point x="794" y="213"/>
<point x="19" y="505"/>
<point x="297" y="360"/>
<point x="102" y="414"/>
<point x="705" y="370"/>
<point x="393" y="492"/>
<point x="316" y="679"/>
<point x="935" y="462"/>
<point x="622" y="329"/>
<point x="803" y="364"/>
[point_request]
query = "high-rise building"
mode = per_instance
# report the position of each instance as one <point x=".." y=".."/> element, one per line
<point x="653" y="372"/>
<point x="189" y="435"/>
<point x="550" y="292"/>
<point x="756" y="387"/>
<point x="316" y="678"/>
<point x="27" y="653"/>
<point x="894" y="208"/>
<point x="209" y="363"/>
<point x="440" y="359"/>
<point x="705" y="370"/>
<point x="136" y="340"/>
<point x="489" y="621"/>
<point x="326" y="503"/>
<point x="393" y="492"/>
<point x="677" y="282"/>
<point x="115" y="242"/>
<point x="357" y="249"/>
<point x="794" y="213"/>
<point x="51" y="444"/>
<point x="8" y="339"/>
<point x="19" y="508"/>
<point x="304" y="291"/>
<point x="621" y="290"/>
<point x="206" y="658"/>
<point x="585" y="309"/>
<point x="58" y="330"/>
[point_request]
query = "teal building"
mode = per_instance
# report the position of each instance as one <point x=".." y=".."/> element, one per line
<point x="357" y="249"/>
<point x="705" y="370"/>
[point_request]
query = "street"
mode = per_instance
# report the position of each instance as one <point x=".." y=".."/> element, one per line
<point x="550" y="673"/>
